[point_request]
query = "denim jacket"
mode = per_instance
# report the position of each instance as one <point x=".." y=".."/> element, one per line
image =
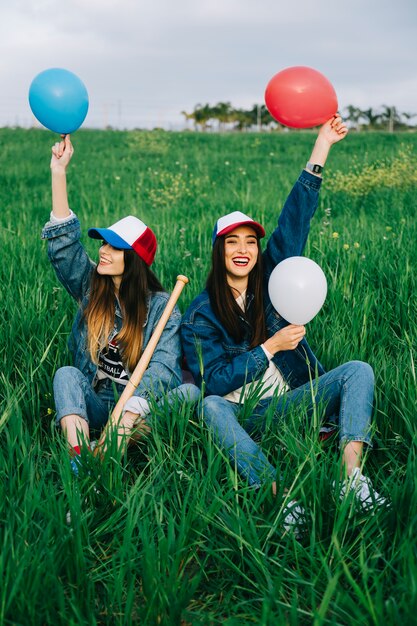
<point x="227" y="365"/>
<point x="73" y="268"/>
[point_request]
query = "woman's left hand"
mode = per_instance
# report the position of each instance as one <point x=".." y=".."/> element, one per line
<point x="333" y="130"/>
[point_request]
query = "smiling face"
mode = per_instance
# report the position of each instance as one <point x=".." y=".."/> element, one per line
<point x="240" y="255"/>
<point x="111" y="263"/>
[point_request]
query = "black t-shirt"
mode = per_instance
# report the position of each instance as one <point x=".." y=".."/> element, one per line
<point x="110" y="364"/>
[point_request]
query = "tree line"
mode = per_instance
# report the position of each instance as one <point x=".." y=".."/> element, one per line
<point x="223" y="116"/>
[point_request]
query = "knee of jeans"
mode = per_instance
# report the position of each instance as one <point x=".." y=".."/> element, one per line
<point x="363" y="370"/>
<point x="65" y="377"/>
<point x="212" y="407"/>
<point x="212" y="402"/>
<point x="189" y="392"/>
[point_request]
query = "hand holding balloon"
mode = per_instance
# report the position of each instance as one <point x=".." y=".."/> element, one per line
<point x="297" y="288"/>
<point x="333" y="130"/>
<point x="287" y="338"/>
<point x="62" y="152"/>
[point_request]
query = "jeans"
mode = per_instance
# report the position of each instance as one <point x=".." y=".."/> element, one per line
<point x="345" y="393"/>
<point x="74" y="395"/>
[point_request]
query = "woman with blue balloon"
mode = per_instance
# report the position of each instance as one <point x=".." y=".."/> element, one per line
<point x="120" y="302"/>
<point x="243" y="354"/>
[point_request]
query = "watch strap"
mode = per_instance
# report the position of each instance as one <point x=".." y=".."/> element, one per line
<point x="313" y="167"/>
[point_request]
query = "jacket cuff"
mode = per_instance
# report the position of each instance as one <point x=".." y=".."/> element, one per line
<point x="52" y="230"/>
<point x="309" y="180"/>
<point x="268" y="354"/>
<point x="137" y="405"/>
<point x="261" y="359"/>
<point x="60" y="220"/>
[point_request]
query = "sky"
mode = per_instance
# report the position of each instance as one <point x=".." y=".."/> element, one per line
<point x="145" y="61"/>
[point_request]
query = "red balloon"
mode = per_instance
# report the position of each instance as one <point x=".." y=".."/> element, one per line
<point x="300" y="97"/>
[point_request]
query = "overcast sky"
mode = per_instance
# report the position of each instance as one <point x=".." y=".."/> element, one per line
<point x="145" y="61"/>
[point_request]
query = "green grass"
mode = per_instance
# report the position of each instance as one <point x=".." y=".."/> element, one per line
<point x="174" y="536"/>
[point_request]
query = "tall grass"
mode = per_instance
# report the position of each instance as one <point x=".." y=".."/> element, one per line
<point x="171" y="535"/>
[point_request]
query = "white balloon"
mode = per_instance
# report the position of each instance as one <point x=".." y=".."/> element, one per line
<point x="297" y="288"/>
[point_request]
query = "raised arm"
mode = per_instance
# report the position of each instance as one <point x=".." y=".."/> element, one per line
<point x="61" y="155"/>
<point x="290" y="236"/>
<point x="68" y="257"/>
<point x="333" y="131"/>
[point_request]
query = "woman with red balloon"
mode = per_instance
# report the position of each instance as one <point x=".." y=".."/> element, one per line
<point x="247" y="358"/>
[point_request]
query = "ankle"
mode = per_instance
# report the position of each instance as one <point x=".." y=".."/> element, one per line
<point x="348" y="470"/>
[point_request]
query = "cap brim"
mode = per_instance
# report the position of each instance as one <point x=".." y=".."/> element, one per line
<point x="109" y="237"/>
<point x="255" y="225"/>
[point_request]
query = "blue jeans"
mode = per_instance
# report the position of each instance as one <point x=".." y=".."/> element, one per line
<point x="344" y="395"/>
<point x="74" y="395"/>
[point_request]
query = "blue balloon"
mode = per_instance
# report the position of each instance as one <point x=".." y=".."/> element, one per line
<point x="59" y="100"/>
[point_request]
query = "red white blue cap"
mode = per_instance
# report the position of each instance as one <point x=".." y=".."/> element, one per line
<point x="229" y="222"/>
<point x="129" y="233"/>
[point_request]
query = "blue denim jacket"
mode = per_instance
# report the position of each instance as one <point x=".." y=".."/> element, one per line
<point x="73" y="268"/>
<point x="228" y="365"/>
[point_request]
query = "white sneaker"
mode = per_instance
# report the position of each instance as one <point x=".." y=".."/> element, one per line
<point x="295" y="519"/>
<point x="366" y="496"/>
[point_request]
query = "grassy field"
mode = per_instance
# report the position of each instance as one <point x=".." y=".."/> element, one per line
<point x="174" y="537"/>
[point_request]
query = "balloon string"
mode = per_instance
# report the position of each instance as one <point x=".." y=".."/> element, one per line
<point x="313" y="398"/>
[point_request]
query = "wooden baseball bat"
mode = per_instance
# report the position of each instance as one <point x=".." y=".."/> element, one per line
<point x="144" y="360"/>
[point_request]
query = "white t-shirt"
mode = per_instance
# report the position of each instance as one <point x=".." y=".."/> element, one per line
<point x="272" y="381"/>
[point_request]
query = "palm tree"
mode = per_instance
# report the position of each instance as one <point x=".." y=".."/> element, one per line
<point x="408" y="117"/>
<point x="372" y="117"/>
<point x="188" y="116"/>
<point x="353" y="114"/>
<point x="266" y="118"/>
<point x="200" y="115"/>
<point x="222" y="111"/>
<point x="395" y="119"/>
<point x="390" y="116"/>
<point x="258" y="116"/>
<point x="243" y="119"/>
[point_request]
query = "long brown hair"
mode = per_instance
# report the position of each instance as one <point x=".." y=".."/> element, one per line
<point x="137" y="283"/>
<point x="223" y="301"/>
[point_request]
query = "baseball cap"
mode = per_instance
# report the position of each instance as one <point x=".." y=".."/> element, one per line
<point x="229" y="222"/>
<point x="129" y="233"/>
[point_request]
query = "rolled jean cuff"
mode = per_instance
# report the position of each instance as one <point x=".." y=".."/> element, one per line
<point x="348" y="438"/>
<point x="70" y="411"/>
<point x="254" y="476"/>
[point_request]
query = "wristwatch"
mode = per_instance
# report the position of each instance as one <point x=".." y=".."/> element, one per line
<point x="313" y="167"/>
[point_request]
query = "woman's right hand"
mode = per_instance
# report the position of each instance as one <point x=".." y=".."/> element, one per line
<point x="62" y="152"/>
<point x="287" y="338"/>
